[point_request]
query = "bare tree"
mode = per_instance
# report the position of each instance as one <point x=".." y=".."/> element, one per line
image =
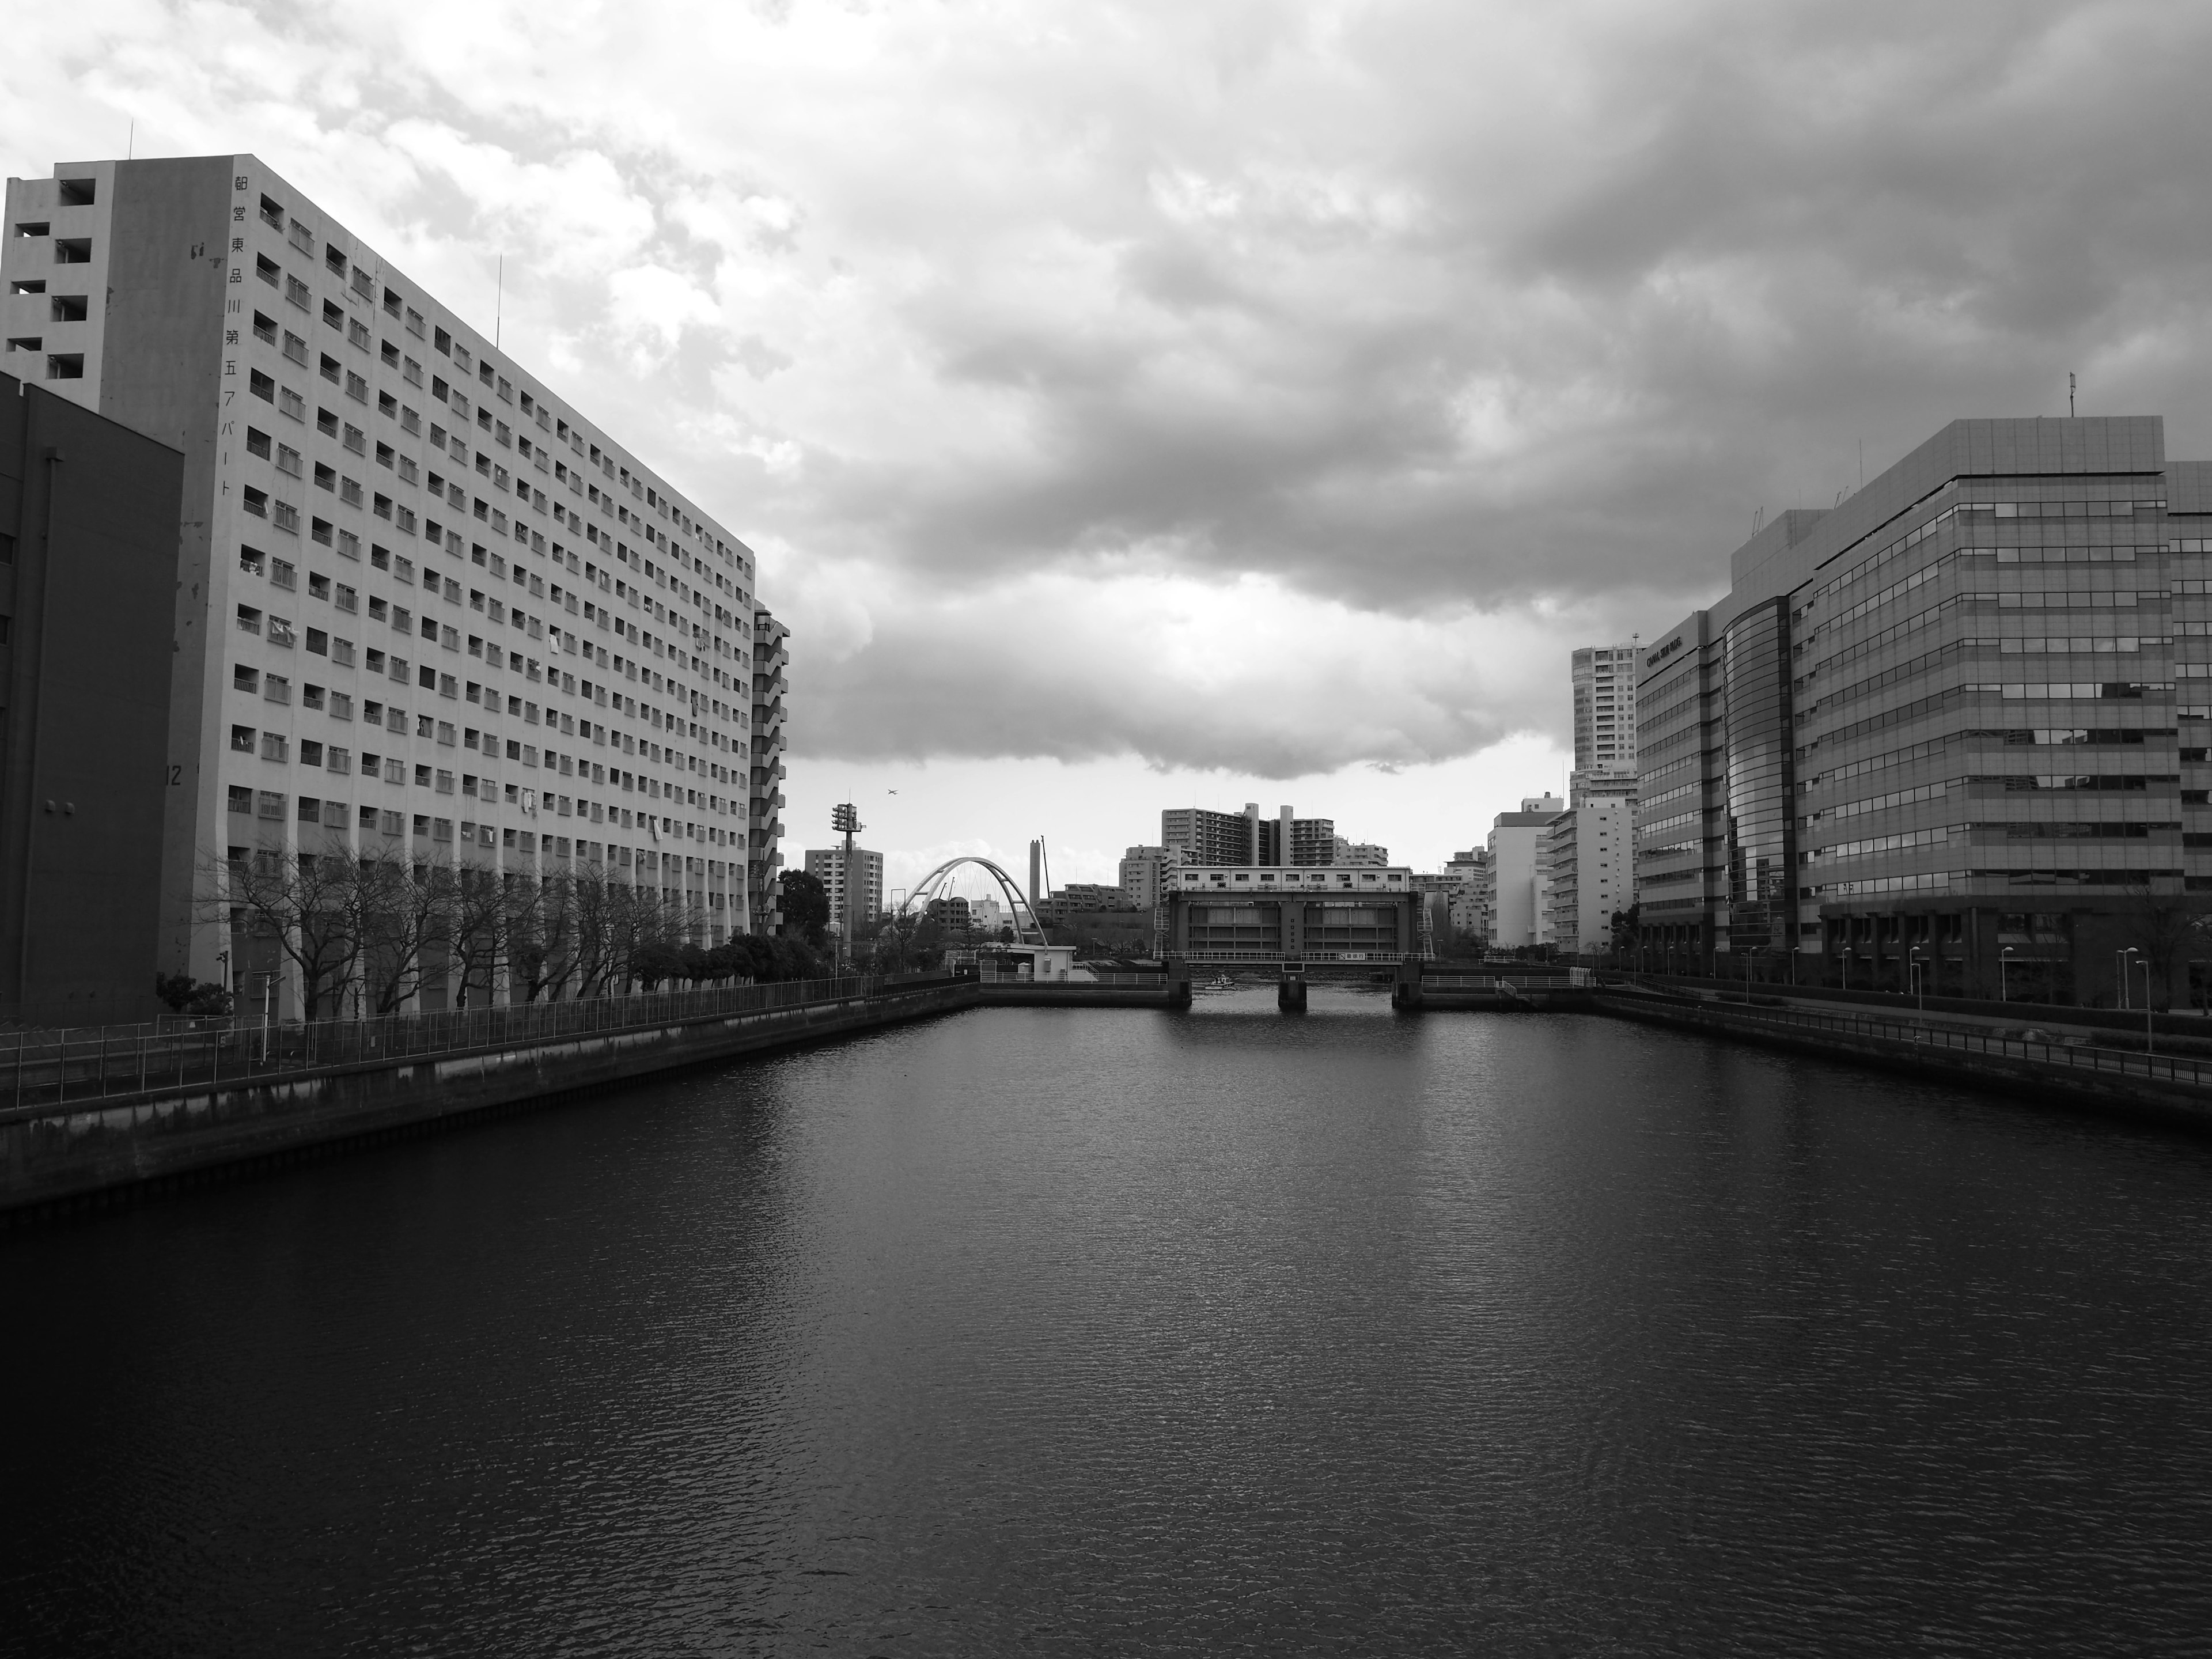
<point x="406" y="912"/>
<point x="540" y="921"/>
<point x="2167" y="924"/>
<point x="309" y="903"/>
<point x="477" y="930"/>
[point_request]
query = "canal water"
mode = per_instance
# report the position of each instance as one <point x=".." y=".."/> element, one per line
<point x="1096" y="1332"/>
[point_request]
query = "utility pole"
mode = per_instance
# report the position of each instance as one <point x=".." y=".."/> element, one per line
<point x="847" y="819"/>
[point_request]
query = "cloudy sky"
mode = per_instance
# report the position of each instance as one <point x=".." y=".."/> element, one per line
<point x="1138" y="405"/>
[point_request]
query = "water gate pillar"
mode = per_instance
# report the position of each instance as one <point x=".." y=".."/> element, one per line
<point x="1290" y="991"/>
<point x="1405" y="989"/>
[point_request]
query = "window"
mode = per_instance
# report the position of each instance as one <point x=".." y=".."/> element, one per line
<point x="356" y="440"/>
<point x="242" y="739"/>
<point x="357" y="334"/>
<point x="319" y="642"/>
<point x="390" y="353"/>
<point x="69" y="308"/>
<point x="243" y="678"/>
<point x="282" y="575"/>
<point x="272" y="212"/>
<point x="261" y="386"/>
<point x="280" y="631"/>
<point x="443" y="342"/>
<point x="266" y="269"/>
<point x="290" y="402"/>
<point x="287" y="459"/>
<point x="347" y="598"/>
<point x="415" y="322"/>
<point x="318" y="587"/>
<point x="335" y="258"/>
<point x="326" y="478"/>
<point x="276" y="687"/>
<point x="326" y="423"/>
<point x="334" y="316"/>
<point x="270" y="804"/>
<point x="356" y="387"/>
<point x="318" y="530"/>
<point x="311" y="752"/>
<point x="331" y="370"/>
<point x="255" y="502"/>
<point x="257" y="443"/>
<point x="349" y="491"/>
<point x="341" y="760"/>
<point x="296" y="293"/>
<point x="28" y="343"/>
<point x="287" y="517"/>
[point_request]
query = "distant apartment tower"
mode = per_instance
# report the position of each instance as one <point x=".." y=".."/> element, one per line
<point x="1143" y="869"/>
<point x="1202" y="837"/>
<point x="1605" y="709"/>
<point x="866" y="896"/>
<point x="764" y="794"/>
<point x="1357" y="854"/>
<point x="424" y="608"/>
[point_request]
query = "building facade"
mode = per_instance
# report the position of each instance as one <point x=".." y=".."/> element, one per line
<point x="426" y="609"/>
<point x="1952" y="729"/>
<point x="764" y="796"/>
<point x="1605" y="709"/>
<point x="1591" y="856"/>
<point x="863" y="890"/>
<point x="1203" y="837"/>
<point x="1143" y="869"/>
<point x="1520" y="857"/>
<point x="1241" y="914"/>
<point x="87" y="580"/>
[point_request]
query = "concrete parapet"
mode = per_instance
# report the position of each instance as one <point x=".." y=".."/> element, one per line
<point x="49" y="1156"/>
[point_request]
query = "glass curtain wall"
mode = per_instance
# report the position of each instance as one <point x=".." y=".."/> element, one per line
<point x="1760" y="782"/>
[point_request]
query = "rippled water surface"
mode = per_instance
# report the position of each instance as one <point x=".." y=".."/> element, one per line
<point x="1057" y="1332"/>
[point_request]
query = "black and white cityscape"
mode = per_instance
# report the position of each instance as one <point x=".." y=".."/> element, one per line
<point x="1343" y="829"/>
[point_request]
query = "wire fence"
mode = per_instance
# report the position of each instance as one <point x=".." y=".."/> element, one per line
<point x="2078" y="1057"/>
<point x="47" y="1069"/>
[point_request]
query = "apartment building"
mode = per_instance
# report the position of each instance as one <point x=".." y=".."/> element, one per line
<point x="1590" y="854"/>
<point x="1142" y="872"/>
<point x="1519" y="871"/>
<point x="1958" y="723"/>
<point x="425" y="607"/>
<point x="1357" y="854"/>
<point x="1605" y="709"/>
<point x="1200" y="836"/>
<point x="865" y="894"/>
<point x="764" y="835"/>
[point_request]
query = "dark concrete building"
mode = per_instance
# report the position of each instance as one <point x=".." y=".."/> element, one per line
<point x="88" y="595"/>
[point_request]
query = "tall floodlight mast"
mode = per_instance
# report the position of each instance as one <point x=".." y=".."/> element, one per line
<point x="846" y="818"/>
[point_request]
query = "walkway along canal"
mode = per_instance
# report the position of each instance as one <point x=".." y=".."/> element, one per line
<point x="94" y="1115"/>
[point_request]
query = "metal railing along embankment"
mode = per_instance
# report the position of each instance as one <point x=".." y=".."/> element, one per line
<point x="41" y="1070"/>
<point x="2080" y="1057"/>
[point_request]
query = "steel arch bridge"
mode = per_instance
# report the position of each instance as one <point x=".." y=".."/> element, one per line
<point x="1029" y="932"/>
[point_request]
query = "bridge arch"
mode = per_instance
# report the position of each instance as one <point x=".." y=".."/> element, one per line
<point x="932" y="885"/>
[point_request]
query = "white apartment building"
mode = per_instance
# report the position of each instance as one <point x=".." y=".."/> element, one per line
<point x="1519" y="870"/>
<point x="1591" y="865"/>
<point x="1358" y="854"/>
<point x="425" y="606"/>
<point x="866" y="893"/>
<point x="1605" y="709"/>
<point x="1144" y="873"/>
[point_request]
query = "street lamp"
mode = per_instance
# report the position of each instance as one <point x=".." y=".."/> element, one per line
<point x="2004" y="989"/>
<point x="2145" y="965"/>
<point x="1919" y="977"/>
<point x="2121" y="970"/>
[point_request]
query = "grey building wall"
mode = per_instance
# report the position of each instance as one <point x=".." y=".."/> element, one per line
<point x="88" y="575"/>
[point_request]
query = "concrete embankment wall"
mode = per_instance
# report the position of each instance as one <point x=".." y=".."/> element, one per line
<point x="1077" y="994"/>
<point x="2114" y="1091"/>
<point x="127" y="1144"/>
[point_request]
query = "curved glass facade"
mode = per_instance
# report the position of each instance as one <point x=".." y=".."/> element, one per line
<point x="1756" y="689"/>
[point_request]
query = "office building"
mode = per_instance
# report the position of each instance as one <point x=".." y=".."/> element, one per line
<point x="431" y="611"/>
<point x="1590" y="851"/>
<point x="862" y="889"/>
<point x="1953" y="727"/>
<point x="1605" y="709"/>
<point x="87" y="597"/>
<point x="1519" y="869"/>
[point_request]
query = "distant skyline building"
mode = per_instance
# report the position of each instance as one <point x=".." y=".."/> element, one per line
<point x="1605" y="709"/>
<point x="1204" y="837"/>
<point x="1357" y="854"/>
<point x="1519" y="867"/>
<point x="1142" y="871"/>
<point x="827" y="866"/>
<point x="1591" y="853"/>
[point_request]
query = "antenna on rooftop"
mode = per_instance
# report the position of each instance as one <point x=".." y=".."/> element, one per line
<point x="2070" y="394"/>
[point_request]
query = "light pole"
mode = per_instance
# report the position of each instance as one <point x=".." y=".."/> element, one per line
<point x="2004" y="987"/>
<point x="1919" y="977"/>
<point x="845" y="817"/>
<point x="2145" y="965"/>
<point x="2120" y="964"/>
